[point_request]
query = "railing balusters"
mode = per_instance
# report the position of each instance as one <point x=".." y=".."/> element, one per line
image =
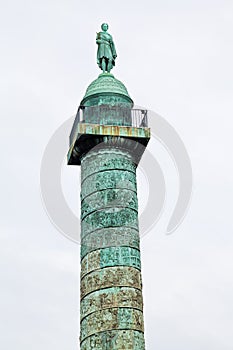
<point x="115" y="115"/>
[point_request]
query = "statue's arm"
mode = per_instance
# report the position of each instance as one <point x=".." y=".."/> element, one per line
<point x="113" y="48"/>
<point x="98" y="39"/>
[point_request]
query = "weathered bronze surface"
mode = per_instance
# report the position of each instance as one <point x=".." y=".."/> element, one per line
<point x="112" y="297"/>
<point x="107" y="90"/>
<point x="98" y="200"/>
<point x="108" y="139"/>
<point x="111" y="319"/>
<point x="109" y="237"/>
<point x="114" y="130"/>
<point x="120" y="276"/>
<point x="110" y="161"/>
<point x="106" y="53"/>
<point x="110" y="256"/>
<point x="108" y="116"/>
<point x="111" y="287"/>
<point x="115" y="340"/>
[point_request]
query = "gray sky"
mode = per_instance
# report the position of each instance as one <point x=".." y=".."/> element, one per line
<point x="175" y="58"/>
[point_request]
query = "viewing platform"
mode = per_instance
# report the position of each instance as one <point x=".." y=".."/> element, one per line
<point x="94" y="123"/>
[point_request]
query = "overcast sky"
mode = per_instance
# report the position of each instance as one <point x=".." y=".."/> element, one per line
<point x="175" y="57"/>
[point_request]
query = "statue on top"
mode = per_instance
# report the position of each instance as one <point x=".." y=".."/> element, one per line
<point x="106" y="53"/>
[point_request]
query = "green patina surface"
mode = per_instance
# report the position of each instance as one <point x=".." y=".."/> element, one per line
<point x="110" y="132"/>
<point x="107" y="115"/>
<point x="97" y="200"/>
<point x="114" y="296"/>
<point x="109" y="237"/>
<point x="113" y="130"/>
<point x="109" y="179"/>
<point x="110" y="161"/>
<point x="106" y="54"/>
<point x="107" y="142"/>
<point x="117" y="276"/>
<point x="111" y="289"/>
<point x="111" y="319"/>
<point x="110" y="256"/>
<point x="114" y="340"/>
<point x="107" y="90"/>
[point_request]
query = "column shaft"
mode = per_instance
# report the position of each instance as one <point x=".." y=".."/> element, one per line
<point x="111" y="289"/>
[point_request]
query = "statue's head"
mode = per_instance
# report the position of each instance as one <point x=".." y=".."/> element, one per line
<point x="104" y="27"/>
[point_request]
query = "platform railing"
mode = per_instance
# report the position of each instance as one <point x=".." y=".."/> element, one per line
<point x="110" y="115"/>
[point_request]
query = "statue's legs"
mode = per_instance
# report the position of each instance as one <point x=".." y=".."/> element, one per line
<point x="103" y="64"/>
<point x="109" y="66"/>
